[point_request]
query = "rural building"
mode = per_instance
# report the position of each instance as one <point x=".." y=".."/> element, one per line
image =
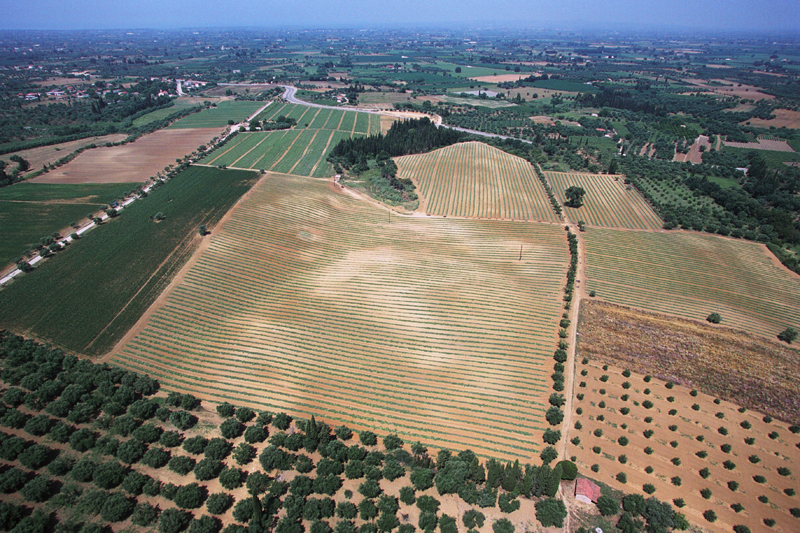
<point x="586" y="491"/>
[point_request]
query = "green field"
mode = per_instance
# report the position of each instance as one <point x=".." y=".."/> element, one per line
<point x="477" y="181"/>
<point x="30" y="211"/>
<point x="301" y="150"/>
<point x="608" y="201"/>
<point x="217" y="117"/>
<point x="90" y="294"/>
<point x="430" y="327"/>
<point x="693" y="275"/>
<point x="179" y="105"/>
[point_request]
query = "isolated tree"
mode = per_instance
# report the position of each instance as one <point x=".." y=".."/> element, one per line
<point x="788" y="335"/>
<point x="574" y="196"/>
<point x="714" y="318"/>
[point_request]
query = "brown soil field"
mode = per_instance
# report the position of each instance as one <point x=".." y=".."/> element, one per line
<point x="133" y="162"/>
<point x="544" y="119"/>
<point x="682" y="442"/>
<point x="761" y="374"/>
<point x="43" y="155"/>
<point x="733" y="89"/>
<point x="763" y="144"/>
<point x="527" y="93"/>
<point x="62" y="81"/>
<point x="329" y="318"/>
<point x="695" y="155"/>
<point x="784" y="118"/>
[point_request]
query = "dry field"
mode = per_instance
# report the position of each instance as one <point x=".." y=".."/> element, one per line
<point x="310" y="301"/>
<point x="784" y="118"/>
<point x="608" y="201"/>
<point x="692" y="275"/>
<point x="682" y="445"/>
<point x="544" y="119"/>
<point x="132" y="162"/>
<point x="45" y="155"/>
<point x="477" y="181"/>
<point x="717" y="360"/>
<point x="773" y="145"/>
<point x="733" y="89"/>
<point x="695" y="155"/>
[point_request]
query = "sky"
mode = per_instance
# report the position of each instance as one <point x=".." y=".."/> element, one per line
<point x="771" y="16"/>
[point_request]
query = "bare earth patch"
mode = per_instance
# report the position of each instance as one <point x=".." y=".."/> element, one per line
<point x="695" y="155"/>
<point x="500" y="78"/>
<point x="784" y="118"/>
<point x="760" y="374"/>
<point x="133" y="162"/>
<point x="50" y="154"/>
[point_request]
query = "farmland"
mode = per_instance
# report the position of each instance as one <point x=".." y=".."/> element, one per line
<point x="477" y="181"/>
<point x="134" y="162"/>
<point x="692" y="275"/>
<point x="608" y="202"/>
<point x="46" y="155"/>
<point x="89" y="295"/>
<point x="300" y="151"/>
<point x="714" y="359"/>
<point x="433" y="328"/>
<point x="218" y="117"/>
<point x="648" y="436"/>
<point x="30" y="211"/>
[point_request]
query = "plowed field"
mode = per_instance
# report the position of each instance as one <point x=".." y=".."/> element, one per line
<point x="477" y="181"/>
<point x="311" y="301"/>
<point x="691" y="276"/>
<point x="608" y="202"/>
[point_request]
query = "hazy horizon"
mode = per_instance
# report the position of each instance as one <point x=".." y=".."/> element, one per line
<point x="771" y="16"/>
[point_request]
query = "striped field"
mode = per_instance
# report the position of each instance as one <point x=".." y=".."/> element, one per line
<point x="310" y="301"/>
<point x="220" y="115"/>
<point x="608" y="202"/>
<point x="692" y="276"/>
<point x="475" y="180"/>
<point x="301" y="150"/>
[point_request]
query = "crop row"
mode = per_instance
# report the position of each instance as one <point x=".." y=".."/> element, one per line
<point x="323" y="118"/>
<point x="476" y="180"/>
<point x="691" y="276"/>
<point x="608" y="201"/>
<point x="338" y="312"/>
<point x="104" y="281"/>
<point x="219" y="116"/>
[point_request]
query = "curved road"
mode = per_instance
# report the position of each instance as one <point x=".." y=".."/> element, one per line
<point x="289" y="96"/>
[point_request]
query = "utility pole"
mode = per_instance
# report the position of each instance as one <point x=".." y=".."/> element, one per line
<point x="520" y="253"/>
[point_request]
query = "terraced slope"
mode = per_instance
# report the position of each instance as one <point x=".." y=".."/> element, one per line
<point x="691" y="276"/>
<point x="311" y="301"/>
<point x="608" y="202"/>
<point x="477" y="181"/>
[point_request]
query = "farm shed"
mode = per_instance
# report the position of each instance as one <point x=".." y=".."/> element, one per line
<point x="586" y="491"/>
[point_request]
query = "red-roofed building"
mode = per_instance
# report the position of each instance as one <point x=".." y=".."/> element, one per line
<point x="586" y="491"/>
